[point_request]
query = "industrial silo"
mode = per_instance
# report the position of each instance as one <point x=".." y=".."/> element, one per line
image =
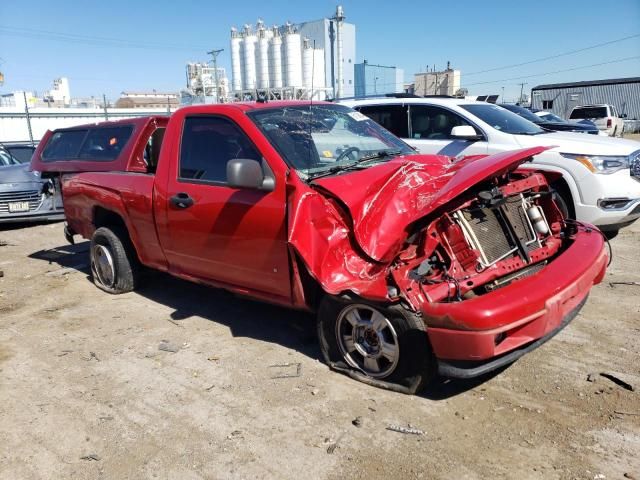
<point x="307" y="64"/>
<point x="262" y="56"/>
<point x="292" y="57"/>
<point x="249" y="77"/>
<point x="236" y="60"/>
<point x="275" y="59"/>
<point x="318" y="72"/>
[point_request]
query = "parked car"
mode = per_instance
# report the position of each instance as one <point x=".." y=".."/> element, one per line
<point x="597" y="179"/>
<point x="555" y="125"/>
<point x="606" y="118"/>
<point x="414" y="263"/>
<point x="24" y="195"/>
<point x="21" y="151"/>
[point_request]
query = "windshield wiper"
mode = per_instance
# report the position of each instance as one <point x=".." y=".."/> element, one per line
<point x="356" y="164"/>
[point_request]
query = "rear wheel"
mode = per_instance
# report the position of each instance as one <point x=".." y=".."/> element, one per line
<point x="114" y="265"/>
<point x="384" y="346"/>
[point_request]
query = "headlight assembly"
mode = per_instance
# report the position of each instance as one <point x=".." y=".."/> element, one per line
<point x="605" y="164"/>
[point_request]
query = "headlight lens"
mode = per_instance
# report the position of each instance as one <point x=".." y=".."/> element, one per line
<point x="605" y="164"/>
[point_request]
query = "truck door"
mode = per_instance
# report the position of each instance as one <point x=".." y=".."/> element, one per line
<point x="215" y="232"/>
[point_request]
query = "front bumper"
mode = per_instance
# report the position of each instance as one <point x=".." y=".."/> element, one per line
<point x="52" y="216"/>
<point x="524" y="312"/>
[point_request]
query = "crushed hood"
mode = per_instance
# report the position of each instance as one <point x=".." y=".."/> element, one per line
<point x="384" y="200"/>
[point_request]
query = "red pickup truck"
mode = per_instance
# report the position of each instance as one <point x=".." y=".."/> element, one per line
<point x="415" y="264"/>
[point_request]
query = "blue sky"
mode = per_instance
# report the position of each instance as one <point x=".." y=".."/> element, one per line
<point x="473" y="35"/>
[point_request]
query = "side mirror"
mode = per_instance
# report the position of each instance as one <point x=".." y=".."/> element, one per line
<point x="624" y="115"/>
<point x="465" y="132"/>
<point x="246" y="173"/>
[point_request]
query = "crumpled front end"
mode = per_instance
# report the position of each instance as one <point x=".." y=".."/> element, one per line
<point x="498" y="273"/>
<point x="488" y="262"/>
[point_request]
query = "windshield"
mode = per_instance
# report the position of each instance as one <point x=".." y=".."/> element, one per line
<point x="7" y="159"/>
<point x="550" y="117"/>
<point x="588" y="112"/>
<point x="503" y="120"/>
<point x="318" y="138"/>
<point x="523" y="112"/>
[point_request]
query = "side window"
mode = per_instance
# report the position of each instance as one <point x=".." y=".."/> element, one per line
<point x="614" y="111"/>
<point x="391" y="117"/>
<point x="151" y="153"/>
<point x="434" y="123"/>
<point x="208" y="143"/>
<point x="547" y="104"/>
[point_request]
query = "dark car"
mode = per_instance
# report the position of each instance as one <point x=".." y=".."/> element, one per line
<point x="24" y="195"/>
<point x="549" y="125"/>
<point x="20" y="151"/>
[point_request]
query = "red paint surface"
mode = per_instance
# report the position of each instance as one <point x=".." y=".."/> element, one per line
<point x="349" y="230"/>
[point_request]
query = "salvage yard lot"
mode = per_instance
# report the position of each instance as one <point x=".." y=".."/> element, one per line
<point x="179" y="381"/>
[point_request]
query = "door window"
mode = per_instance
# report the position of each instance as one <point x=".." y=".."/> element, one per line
<point x="208" y="143"/>
<point x="434" y="123"/>
<point x="391" y="117"/>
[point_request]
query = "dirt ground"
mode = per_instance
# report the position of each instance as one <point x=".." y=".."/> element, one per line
<point x="86" y="393"/>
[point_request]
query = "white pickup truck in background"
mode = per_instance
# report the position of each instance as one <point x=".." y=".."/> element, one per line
<point x="606" y="118"/>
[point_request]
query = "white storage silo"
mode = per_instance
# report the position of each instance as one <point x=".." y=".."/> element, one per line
<point x="292" y="57"/>
<point x="236" y="60"/>
<point x="318" y="70"/>
<point x="307" y="64"/>
<point x="262" y="56"/>
<point x="275" y="59"/>
<point x="249" y="77"/>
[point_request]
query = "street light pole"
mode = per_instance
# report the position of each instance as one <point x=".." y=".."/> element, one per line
<point x="214" y="54"/>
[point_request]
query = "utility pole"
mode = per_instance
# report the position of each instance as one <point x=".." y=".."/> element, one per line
<point x="214" y="54"/>
<point x="104" y="105"/>
<point x="521" y="90"/>
<point x="28" y="117"/>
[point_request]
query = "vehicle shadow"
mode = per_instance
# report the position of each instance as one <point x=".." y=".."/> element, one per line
<point x="7" y="226"/>
<point x="244" y="317"/>
<point x="442" y="388"/>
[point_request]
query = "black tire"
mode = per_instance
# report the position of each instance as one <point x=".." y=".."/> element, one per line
<point x="615" y="132"/>
<point x="111" y="247"/>
<point x="610" y="234"/>
<point x="562" y="197"/>
<point x="415" y="364"/>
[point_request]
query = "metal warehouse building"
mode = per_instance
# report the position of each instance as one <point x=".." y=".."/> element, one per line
<point x="560" y="98"/>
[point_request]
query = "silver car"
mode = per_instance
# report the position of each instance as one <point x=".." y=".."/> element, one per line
<point x="24" y="195"/>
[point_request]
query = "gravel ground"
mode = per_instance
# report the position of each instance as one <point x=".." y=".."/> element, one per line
<point x="238" y="390"/>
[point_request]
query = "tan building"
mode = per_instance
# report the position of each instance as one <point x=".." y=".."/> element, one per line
<point x="148" y="100"/>
<point x="446" y="82"/>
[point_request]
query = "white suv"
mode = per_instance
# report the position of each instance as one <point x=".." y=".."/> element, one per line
<point x="605" y="117"/>
<point x="598" y="177"/>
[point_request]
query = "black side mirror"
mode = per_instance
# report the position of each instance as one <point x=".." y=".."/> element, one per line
<point x="247" y="173"/>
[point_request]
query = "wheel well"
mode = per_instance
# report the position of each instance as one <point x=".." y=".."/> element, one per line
<point x="110" y="219"/>
<point x="561" y="186"/>
<point x="107" y="218"/>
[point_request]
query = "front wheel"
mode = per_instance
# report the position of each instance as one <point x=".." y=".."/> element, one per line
<point x="114" y="266"/>
<point x="384" y="346"/>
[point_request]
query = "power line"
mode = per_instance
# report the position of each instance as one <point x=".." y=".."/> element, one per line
<point x="555" y="56"/>
<point x="556" y="71"/>
<point x="89" y="39"/>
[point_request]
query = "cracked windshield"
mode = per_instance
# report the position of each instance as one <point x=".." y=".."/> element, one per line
<point x="323" y="139"/>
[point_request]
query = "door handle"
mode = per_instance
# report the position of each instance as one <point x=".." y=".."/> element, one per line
<point x="181" y="200"/>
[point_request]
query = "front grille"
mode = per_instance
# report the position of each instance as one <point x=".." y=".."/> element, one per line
<point x="32" y="197"/>
<point x="507" y="279"/>
<point x="499" y="232"/>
